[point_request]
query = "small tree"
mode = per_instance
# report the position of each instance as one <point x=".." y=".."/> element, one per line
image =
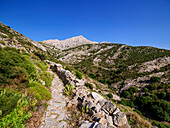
<point x="110" y="96"/>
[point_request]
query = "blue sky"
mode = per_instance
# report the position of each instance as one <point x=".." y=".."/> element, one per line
<point x="132" y="22"/>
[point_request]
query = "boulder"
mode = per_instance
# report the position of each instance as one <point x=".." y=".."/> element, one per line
<point x="116" y="111"/>
<point x="103" y="121"/>
<point x="109" y="107"/>
<point x="116" y="97"/>
<point x="120" y="119"/>
<point x="86" y="125"/>
<point x="100" y="126"/>
<point x="97" y="96"/>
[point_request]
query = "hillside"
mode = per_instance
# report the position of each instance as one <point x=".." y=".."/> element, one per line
<point x="81" y="83"/>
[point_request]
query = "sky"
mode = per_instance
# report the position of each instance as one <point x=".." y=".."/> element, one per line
<point x="131" y="22"/>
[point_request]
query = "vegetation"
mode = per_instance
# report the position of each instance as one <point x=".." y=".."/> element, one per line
<point x="2" y="42"/>
<point x="110" y="95"/>
<point x="68" y="90"/>
<point x="78" y="74"/>
<point x="47" y="77"/>
<point x="89" y="85"/>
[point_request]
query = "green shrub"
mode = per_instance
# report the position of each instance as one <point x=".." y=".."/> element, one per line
<point x="68" y="90"/>
<point x="17" y="66"/>
<point x="41" y="56"/>
<point x="127" y="103"/>
<point x="110" y="95"/>
<point x="8" y="100"/>
<point x="2" y="42"/>
<point x="160" y="125"/>
<point x="89" y="85"/>
<point x="139" y="112"/>
<point x="78" y="74"/>
<point x="67" y="68"/>
<point x="47" y="77"/>
<point x="103" y="81"/>
<point x="17" y="117"/>
<point x="152" y="86"/>
<point x="126" y="94"/>
<point x="42" y="65"/>
<point x="132" y="89"/>
<point x="39" y="91"/>
<point x="155" y="79"/>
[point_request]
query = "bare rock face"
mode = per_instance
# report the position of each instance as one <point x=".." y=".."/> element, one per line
<point x="97" y="96"/>
<point x="120" y="119"/>
<point x="68" y="43"/>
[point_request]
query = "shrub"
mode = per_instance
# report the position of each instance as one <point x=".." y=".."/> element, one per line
<point x="152" y="86"/>
<point x="155" y="79"/>
<point x="127" y="103"/>
<point x="126" y="94"/>
<point x="110" y="95"/>
<point x="17" y="117"/>
<point x="41" y="56"/>
<point x="103" y="81"/>
<point x="68" y="90"/>
<point x="78" y="74"/>
<point x="46" y="76"/>
<point x="67" y="68"/>
<point x="145" y="89"/>
<point x="17" y="66"/>
<point x="89" y="85"/>
<point x="39" y="91"/>
<point x="2" y="42"/>
<point x="132" y="89"/>
<point x="8" y="100"/>
<point x="139" y="112"/>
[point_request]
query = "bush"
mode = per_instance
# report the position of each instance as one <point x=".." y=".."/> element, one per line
<point x="41" y="56"/>
<point x="152" y="86"/>
<point x="139" y="112"/>
<point x="17" y="66"/>
<point x="68" y="90"/>
<point x="126" y="94"/>
<point x="89" y="85"/>
<point x="8" y="100"/>
<point x="46" y="76"/>
<point x="39" y="91"/>
<point x="16" y="118"/>
<point x="155" y="79"/>
<point x="2" y="42"/>
<point x="132" y="90"/>
<point x="103" y="81"/>
<point x="110" y="95"/>
<point x="78" y="74"/>
<point x="127" y="103"/>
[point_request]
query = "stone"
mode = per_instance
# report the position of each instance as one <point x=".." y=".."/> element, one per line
<point x="116" y="97"/>
<point x="97" y="96"/>
<point x="109" y="107"/>
<point x="116" y="111"/>
<point x="86" y="125"/>
<point x="120" y="119"/>
<point x="100" y="126"/>
<point x="109" y="120"/>
<point x="102" y="102"/>
<point x="62" y="124"/>
<point x="103" y="121"/>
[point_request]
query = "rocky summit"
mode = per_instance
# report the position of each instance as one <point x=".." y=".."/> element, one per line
<point x="78" y="83"/>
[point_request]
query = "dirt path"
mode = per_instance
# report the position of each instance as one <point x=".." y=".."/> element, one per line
<point x="56" y="114"/>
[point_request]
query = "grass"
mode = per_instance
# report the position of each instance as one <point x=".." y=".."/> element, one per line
<point x="47" y="77"/>
<point x="39" y="91"/>
<point x="2" y="42"/>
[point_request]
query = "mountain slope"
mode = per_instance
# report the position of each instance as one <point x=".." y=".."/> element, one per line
<point x="68" y="43"/>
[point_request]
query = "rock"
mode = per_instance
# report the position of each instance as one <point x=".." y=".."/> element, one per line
<point x="97" y="96"/>
<point x="86" y="125"/>
<point x="109" y="107"/>
<point x="120" y="119"/>
<point x="116" y="97"/>
<point x="109" y="120"/>
<point x="116" y="111"/>
<point x="100" y="126"/>
<point x="102" y="102"/>
<point x="103" y="121"/>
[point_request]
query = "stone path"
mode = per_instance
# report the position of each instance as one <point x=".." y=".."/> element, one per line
<point x="56" y="114"/>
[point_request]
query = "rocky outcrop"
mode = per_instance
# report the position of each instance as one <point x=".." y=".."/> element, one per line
<point x="68" y="43"/>
<point x="103" y="113"/>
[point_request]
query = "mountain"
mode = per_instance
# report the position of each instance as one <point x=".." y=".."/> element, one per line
<point x="68" y="43"/>
<point x="81" y="83"/>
